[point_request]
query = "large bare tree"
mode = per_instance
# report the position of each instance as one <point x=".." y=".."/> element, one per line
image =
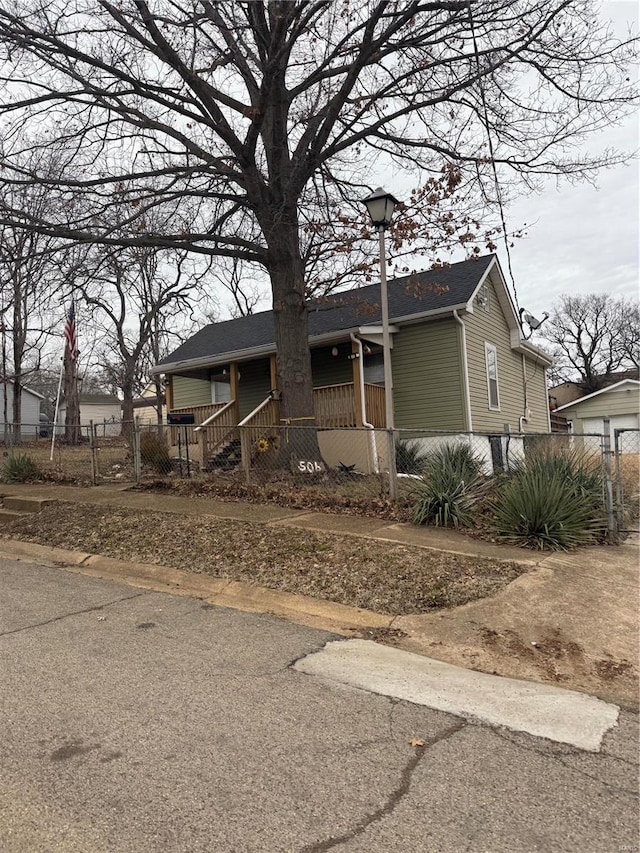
<point x="262" y="123"/>
<point x="136" y="297"/>
<point x="34" y="267"/>
<point x="593" y="336"/>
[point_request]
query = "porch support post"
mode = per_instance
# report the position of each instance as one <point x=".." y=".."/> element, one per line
<point x="357" y="368"/>
<point x="168" y="391"/>
<point x="234" y="378"/>
<point x="273" y="380"/>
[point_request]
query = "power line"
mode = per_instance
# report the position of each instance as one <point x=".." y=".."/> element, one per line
<point x="485" y="114"/>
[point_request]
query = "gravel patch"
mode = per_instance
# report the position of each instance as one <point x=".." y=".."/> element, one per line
<point x="380" y="576"/>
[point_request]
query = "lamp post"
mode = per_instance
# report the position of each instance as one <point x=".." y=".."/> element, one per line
<point x="380" y="205"/>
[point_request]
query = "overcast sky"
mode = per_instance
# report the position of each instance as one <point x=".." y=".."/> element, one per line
<point x="581" y="239"/>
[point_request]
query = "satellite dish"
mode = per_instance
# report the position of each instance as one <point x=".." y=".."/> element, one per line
<point x="532" y="321"/>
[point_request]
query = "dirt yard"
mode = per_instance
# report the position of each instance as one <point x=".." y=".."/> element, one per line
<point x="387" y="578"/>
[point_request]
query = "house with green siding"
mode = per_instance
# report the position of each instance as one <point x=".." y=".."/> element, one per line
<point x="460" y="364"/>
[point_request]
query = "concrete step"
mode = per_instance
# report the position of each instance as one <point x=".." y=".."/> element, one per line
<point x="24" y="504"/>
<point x="9" y="515"/>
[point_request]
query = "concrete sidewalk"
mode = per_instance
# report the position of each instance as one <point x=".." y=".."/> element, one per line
<point x="572" y="620"/>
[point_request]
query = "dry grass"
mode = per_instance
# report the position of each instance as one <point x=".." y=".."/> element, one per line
<point x="73" y="463"/>
<point x="384" y="577"/>
<point x="628" y="470"/>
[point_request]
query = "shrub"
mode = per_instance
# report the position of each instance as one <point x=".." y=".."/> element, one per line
<point x="154" y="452"/>
<point x="19" y="469"/>
<point x="410" y="457"/>
<point x="451" y="487"/>
<point x="552" y="500"/>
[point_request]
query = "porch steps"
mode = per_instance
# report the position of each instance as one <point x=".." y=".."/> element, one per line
<point x="227" y="458"/>
<point x="14" y="508"/>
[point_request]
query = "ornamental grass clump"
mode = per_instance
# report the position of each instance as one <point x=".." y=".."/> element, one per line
<point x="552" y="501"/>
<point x="451" y="487"/>
<point x="20" y="468"/>
<point x="410" y="457"/>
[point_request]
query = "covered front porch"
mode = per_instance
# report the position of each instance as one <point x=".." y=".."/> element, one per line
<point x="236" y="407"/>
<point x="219" y="428"/>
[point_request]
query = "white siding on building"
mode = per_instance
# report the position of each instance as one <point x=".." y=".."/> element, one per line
<point x="30" y="420"/>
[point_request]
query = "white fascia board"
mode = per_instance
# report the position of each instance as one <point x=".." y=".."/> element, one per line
<point x="469" y="305"/>
<point x="615" y="387"/>
<point x="494" y="273"/>
<point x="519" y="344"/>
<point x="374" y="334"/>
<point x="410" y="319"/>
<point x="31" y="391"/>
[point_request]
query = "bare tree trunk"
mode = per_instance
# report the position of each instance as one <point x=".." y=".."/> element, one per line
<point x="293" y="358"/>
<point x="72" y="432"/>
<point x="17" y="405"/>
<point x="158" y="388"/>
<point x="128" y="384"/>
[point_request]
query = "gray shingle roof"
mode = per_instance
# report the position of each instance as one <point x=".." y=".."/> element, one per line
<point x="413" y="294"/>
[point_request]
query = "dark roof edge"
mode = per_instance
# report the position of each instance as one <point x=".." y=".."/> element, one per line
<point x="269" y="349"/>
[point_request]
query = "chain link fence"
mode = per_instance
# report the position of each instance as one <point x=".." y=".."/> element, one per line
<point x="626" y="479"/>
<point x="100" y="453"/>
<point x="342" y="465"/>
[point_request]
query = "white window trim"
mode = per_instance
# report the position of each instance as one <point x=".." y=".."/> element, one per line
<point x="487" y="349"/>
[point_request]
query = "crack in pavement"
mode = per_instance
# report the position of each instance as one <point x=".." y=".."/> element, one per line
<point x="557" y="757"/>
<point x="394" y="798"/>
<point x="74" y="613"/>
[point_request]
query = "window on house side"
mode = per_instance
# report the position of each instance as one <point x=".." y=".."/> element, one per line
<point x="220" y="392"/>
<point x="491" y="356"/>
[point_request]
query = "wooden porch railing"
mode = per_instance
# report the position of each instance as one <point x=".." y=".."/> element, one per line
<point x="374" y="401"/>
<point x="335" y="405"/>
<point x="200" y="413"/>
<point x="260" y="424"/>
<point x="220" y="427"/>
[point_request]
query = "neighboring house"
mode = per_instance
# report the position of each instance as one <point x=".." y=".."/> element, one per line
<point x="103" y="410"/>
<point x="459" y="363"/>
<point x="30" y="410"/>
<point x="567" y="392"/>
<point x="145" y="407"/>
<point x="619" y="402"/>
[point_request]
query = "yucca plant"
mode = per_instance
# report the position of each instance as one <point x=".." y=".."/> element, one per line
<point x="552" y="501"/>
<point x="410" y="457"/>
<point x="19" y="469"/>
<point x="451" y="487"/>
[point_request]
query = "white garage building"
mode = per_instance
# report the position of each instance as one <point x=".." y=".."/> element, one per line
<point x="620" y="403"/>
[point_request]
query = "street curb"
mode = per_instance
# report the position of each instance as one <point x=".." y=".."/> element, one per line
<point x="222" y="592"/>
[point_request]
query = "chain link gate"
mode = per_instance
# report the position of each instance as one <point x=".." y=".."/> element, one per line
<point x="626" y="479"/>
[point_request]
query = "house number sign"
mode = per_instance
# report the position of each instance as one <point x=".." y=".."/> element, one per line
<point x="307" y="466"/>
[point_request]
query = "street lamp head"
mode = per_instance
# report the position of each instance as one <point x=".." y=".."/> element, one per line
<point x="380" y="205"/>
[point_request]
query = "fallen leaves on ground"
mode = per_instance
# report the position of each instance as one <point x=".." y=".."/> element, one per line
<point x="379" y="576"/>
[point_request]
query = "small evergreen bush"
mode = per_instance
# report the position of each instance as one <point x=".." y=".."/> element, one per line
<point x="410" y="457"/>
<point x="154" y="452"/>
<point x="552" y="501"/>
<point x="451" y="487"/>
<point x="19" y="469"/>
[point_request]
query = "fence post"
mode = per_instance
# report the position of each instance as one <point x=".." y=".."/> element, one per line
<point x="393" y="474"/>
<point x="619" y="495"/>
<point x="137" y="461"/>
<point x="94" y="471"/>
<point x="245" y="453"/>
<point x="612" y="530"/>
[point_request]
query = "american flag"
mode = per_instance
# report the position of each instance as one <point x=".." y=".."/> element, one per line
<point x="70" y="332"/>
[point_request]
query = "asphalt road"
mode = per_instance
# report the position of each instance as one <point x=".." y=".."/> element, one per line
<point x="138" y="721"/>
